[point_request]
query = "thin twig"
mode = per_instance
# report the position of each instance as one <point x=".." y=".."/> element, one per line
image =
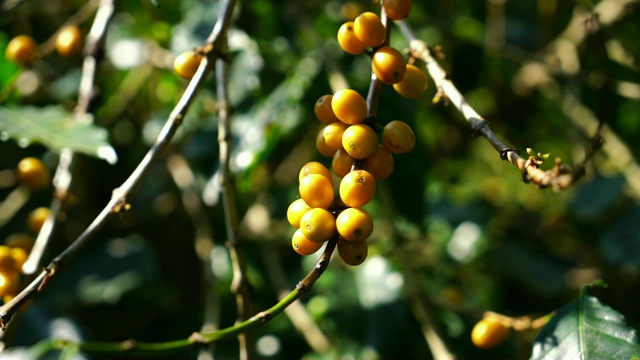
<point x="559" y="177"/>
<point x="240" y="285"/>
<point x="63" y="176"/>
<point x="132" y="348"/>
<point x="121" y="195"/>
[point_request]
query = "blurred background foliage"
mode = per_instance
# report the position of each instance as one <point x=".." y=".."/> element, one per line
<point x="457" y="232"/>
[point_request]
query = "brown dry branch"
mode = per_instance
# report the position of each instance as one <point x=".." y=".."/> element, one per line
<point x="559" y="177"/>
<point x="121" y="195"/>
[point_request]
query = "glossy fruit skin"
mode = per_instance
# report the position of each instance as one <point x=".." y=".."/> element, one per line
<point x="352" y="252"/>
<point x="357" y="188"/>
<point x="322" y="146"/>
<point x="342" y="163"/>
<point x="323" y="110"/>
<point x="389" y="65"/>
<point x="295" y="211"/>
<point x="302" y="245"/>
<point x="33" y="173"/>
<point x="318" y="225"/>
<point x="333" y="134"/>
<point x="398" y="137"/>
<point x="354" y="224"/>
<point x="488" y="333"/>
<point x="348" y="40"/>
<point x="22" y="49"/>
<point x="69" y="41"/>
<point x="397" y="9"/>
<point x="316" y="191"/>
<point x="314" y="167"/>
<point x="369" y="29"/>
<point x="36" y="219"/>
<point x="413" y="84"/>
<point x="380" y="163"/>
<point x="360" y="141"/>
<point x="187" y="63"/>
<point x="349" y="106"/>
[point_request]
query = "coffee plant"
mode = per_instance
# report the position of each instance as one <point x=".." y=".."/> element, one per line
<point x="319" y="179"/>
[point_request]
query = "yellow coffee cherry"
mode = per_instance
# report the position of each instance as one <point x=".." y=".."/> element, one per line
<point x="389" y="65"/>
<point x="33" y="173"/>
<point x="488" y="333"/>
<point x="20" y="256"/>
<point x="9" y="283"/>
<point x="69" y="41"/>
<point x="317" y="191"/>
<point x="349" y="41"/>
<point x="314" y="167"/>
<point x="397" y="9"/>
<point x="352" y="252"/>
<point x="349" y="106"/>
<point x="357" y="188"/>
<point x="380" y="163"/>
<point x="354" y="224"/>
<point x="187" y="63"/>
<point x="318" y="225"/>
<point x="323" y="110"/>
<point x="398" y="137"/>
<point x="342" y="163"/>
<point x="360" y="141"/>
<point x="7" y="262"/>
<point x="295" y="212"/>
<point x="369" y="29"/>
<point x="22" y="49"/>
<point x="36" y="219"/>
<point x="302" y="245"/>
<point x="333" y="134"/>
<point x="322" y="146"/>
<point x="413" y="84"/>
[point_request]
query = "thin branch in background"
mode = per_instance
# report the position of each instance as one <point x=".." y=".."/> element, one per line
<point x="296" y="312"/>
<point x="63" y="177"/>
<point x="559" y="177"/>
<point x="120" y="198"/>
<point x="132" y="348"/>
<point x="13" y="202"/>
<point x="240" y="285"/>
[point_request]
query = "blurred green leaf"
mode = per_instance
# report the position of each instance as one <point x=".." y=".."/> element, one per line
<point x="56" y="129"/>
<point x="586" y="329"/>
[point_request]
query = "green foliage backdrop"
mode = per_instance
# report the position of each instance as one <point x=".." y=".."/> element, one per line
<point x="457" y="232"/>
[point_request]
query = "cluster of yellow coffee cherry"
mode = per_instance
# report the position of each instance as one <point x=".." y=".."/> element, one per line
<point x="23" y="49"/>
<point x="350" y="139"/>
<point x="33" y="174"/>
<point x="489" y="332"/>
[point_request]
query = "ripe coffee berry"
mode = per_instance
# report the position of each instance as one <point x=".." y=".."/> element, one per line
<point x="349" y="106"/>
<point x="295" y="212"/>
<point x="369" y="29"/>
<point x="389" y="65"/>
<point x="22" y="49"/>
<point x="33" y="173"/>
<point x="187" y="63"/>
<point x="348" y="40"/>
<point x="316" y="190"/>
<point x="413" y="84"/>
<point x="342" y="163"/>
<point x="380" y="163"/>
<point x="398" y="137"/>
<point x="323" y="110"/>
<point x="352" y="252"/>
<point x="360" y="141"/>
<point x="302" y="245"/>
<point x="318" y="225"/>
<point x="333" y="134"/>
<point x="489" y="333"/>
<point x="322" y="146"/>
<point x="354" y="224"/>
<point x="314" y="167"/>
<point x="69" y="41"/>
<point x="36" y="219"/>
<point x="357" y="188"/>
<point x="397" y="9"/>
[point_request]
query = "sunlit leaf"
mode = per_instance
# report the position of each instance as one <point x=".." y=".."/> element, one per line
<point x="587" y="329"/>
<point x="56" y="129"/>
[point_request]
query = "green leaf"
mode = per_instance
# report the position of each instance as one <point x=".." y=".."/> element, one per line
<point x="55" y="128"/>
<point x="587" y="329"/>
